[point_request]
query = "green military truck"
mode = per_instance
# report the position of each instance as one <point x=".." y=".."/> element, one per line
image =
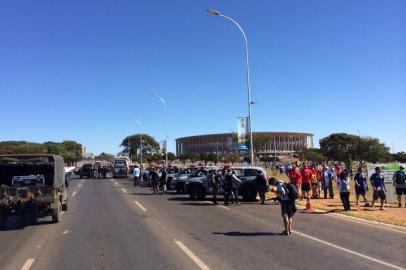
<point x="32" y="185"/>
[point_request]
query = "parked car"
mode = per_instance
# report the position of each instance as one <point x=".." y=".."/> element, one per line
<point x="177" y="181"/>
<point x="87" y="170"/>
<point x="198" y="187"/>
<point x="33" y="185"/>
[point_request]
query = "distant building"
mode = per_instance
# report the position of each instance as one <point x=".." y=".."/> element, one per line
<point x="278" y="143"/>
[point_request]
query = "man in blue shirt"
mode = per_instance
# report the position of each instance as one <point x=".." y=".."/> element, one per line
<point x="378" y="184"/>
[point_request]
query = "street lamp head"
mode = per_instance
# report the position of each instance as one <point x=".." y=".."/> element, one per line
<point x="214" y="12"/>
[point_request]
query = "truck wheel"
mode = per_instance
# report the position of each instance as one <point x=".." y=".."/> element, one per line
<point x="196" y="193"/>
<point x="56" y="214"/>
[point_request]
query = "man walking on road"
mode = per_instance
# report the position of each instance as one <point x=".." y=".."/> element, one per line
<point x="154" y="180"/>
<point x="236" y="184"/>
<point x="399" y="181"/>
<point x="260" y="181"/>
<point x="136" y="174"/>
<point x="227" y="186"/>
<point x="378" y="184"/>
<point x="163" y="180"/>
<point x="214" y="184"/>
<point x="287" y="202"/>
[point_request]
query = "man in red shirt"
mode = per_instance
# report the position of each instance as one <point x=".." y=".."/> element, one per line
<point x="294" y="176"/>
<point x="306" y="181"/>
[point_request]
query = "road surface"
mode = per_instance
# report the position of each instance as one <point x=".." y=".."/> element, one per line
<point x="112" y="225"/>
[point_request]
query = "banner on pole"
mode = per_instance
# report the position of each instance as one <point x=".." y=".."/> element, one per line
<point x="242" y="133"/>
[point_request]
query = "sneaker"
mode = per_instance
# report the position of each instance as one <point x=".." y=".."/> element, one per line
<point x="383" y="209"/>
<point x="284" y="233"/>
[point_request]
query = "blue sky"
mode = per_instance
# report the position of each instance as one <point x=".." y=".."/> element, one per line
<point x="82" y="70"/>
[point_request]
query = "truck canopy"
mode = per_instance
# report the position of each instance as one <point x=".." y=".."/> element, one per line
<point x="50" y="166"/>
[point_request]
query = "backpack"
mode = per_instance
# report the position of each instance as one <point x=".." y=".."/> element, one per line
<point x="292" y="191"/>
<point x="400" y="178"/>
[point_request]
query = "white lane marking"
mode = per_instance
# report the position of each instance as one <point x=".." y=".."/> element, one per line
<point x="62" y="213"/>
<point x="112" y="180"/>
<point x="115" y="182"/>
<point x="222" y="206"/>
<point x="79" y="185"/>
<point x="349" y="251"/>
<point x="140" y="206"/>
<point x="83" y="181"/>
<point x="27" y="265"/>
<point x="66" y="232"/>
<point x="188" y="252"/>
<point x="74" y="194"/>
<point x="125" y="191"/>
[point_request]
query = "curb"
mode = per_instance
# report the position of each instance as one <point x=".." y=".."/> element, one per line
<point x="361" y="220"/>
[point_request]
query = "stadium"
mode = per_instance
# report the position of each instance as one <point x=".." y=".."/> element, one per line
<point x="280" y="144"/>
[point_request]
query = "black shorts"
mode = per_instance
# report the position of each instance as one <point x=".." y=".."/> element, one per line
<point x="379" y="195"/>
<point x="305" y="186"/>
<point x="400" y="191"/>
<point x="286" y="209"/>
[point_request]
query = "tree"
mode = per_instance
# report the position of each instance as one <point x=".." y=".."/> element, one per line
<point x="399" y="157"/>
<point x="171" y="156"/>
<point x="312" y="154"/>
<point x="348" y="147"/>
<point x="132" y="143"/>
<point x="104" y="156"/>
<point x="339" y="146"/>
<point x="371" y="150"/>
<point x="260" y="141"/>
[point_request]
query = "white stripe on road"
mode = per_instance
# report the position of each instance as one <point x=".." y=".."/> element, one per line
<point x="27" y="265"/>
<point x="83" y="181"/>
<point x="349" y="251"/>
<point x="74" y="194"/>
<point x="140" y="206"/>
<point x="79" y="185"/>
<point x="115" y="182"/>
<point x="222" y="206"/>
<point x="125" y="191"/>
<point x="66" y="232"/>
<point x="192" y="255"/>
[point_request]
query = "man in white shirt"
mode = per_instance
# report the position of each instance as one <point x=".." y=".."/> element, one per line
<point x="136" y="174"/>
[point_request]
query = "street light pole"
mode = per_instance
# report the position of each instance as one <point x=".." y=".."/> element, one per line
<point x="250" y="102"/>
<point x="166" y="126"/>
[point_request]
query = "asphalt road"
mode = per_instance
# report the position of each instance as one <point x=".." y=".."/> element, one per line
<point x="113" y="225"/>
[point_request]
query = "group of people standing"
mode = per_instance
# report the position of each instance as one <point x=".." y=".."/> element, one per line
<point x="318" y="179"/>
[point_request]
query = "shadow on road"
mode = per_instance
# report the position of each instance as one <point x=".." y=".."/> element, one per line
<point x="15" y="223"/>
<point x="248" y="233"/>
<point x="198" y="204"/>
